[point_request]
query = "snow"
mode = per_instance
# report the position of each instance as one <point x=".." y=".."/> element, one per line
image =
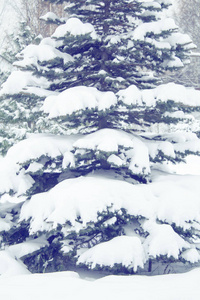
<point x="51" y="17"/>
<point x="164" y="92"/>
<point x="63" y="203"/>
<point x="10" y="18"/>
<point x="155" y="28"/>
<point x="13" y="177"/>
<point x="9" y="266"/>
<point x="163" y="240"/>
<point x="124" y="250"/>
<point x="35" y="55"/>
<point x="191" y="255"/>
<point x="177" y="199"/>
<point x="38" y="145"/>
<point x="76" y="99"/>
<point x="190" y="166"/>
<point x="5" y="223"/>
<point x="10" y="182"/>
<point x="80" y="98"/>
<point x="30" y="152"/>
<point x="135" y="154"/>
<point x="154" y="147"/>
<point x="68" y="285"/>
<point x="29" y="246"/>
<point x="20" y="82"/>
<point x="171" y="199"/>
<point x="75" y="27"/>
<point x="117" y="147"/>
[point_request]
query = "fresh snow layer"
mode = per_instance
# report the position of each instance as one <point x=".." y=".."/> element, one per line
<point x="162" y="240"/>
<point x="12" y="177"/>
<point x="35" y="55"/>
<point x="119" y="149"/>
<point x="63" y="203"/>
<point x="68" y="285"/>
<point x="38" y="145"/>
<point x="50" y="17"/>
<point x="9" y="266"/>
<point x="110" y="140"/>
<point x="81" y="98"/>
<point x="76" y="99"/>
<point x="164" y="92"/>
<point x="170" y="199"/>
<point x="75" y="27"/>
<point x="25" y="82"/>
<point x="124" y="250"/>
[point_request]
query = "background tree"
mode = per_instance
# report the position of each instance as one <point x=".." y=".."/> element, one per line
<point x="27" y="26"/>
<point x="33" y="10"/>
<point x="187" y="17"/>
<point x="96" y="176"/>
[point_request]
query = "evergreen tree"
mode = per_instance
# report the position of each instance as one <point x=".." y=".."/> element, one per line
<point x="88" y="184"/>
<point x="134" y="44"/>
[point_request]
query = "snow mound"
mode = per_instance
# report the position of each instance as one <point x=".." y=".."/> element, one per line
<point x="9" y="266"/>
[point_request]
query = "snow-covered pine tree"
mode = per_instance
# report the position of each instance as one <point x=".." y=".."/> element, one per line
<point x="95" y="189"/>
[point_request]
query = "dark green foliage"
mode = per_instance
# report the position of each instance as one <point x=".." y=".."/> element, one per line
<point x="15" y="236"/>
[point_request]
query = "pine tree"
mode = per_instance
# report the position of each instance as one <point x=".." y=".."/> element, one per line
<point x="120" y="56"/>
<point x="88" y="183"/>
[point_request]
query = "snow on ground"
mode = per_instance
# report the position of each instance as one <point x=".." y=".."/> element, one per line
<point x="68" y="285"/>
